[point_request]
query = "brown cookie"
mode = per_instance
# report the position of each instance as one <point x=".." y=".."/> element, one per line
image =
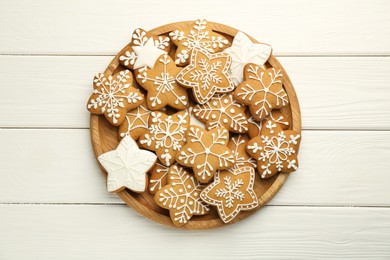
<point x="223" y="110"/>
<point x="114" y="96"/>
<point x="144" y="49"/>
<point x="158" y="177"/>
<point x="277" y="116"/>
<point x="232" y="192"/>
<point x="262" y="90"/>
<point x="166" y="135"/>
<point x="181" y="196"/>
<point x="206" y="152"/>
<point x="136" y="123"/>
<point x="207" y="74"/>
<point x="276" y="150"/>
<point x="198" y="35"/>
<point x="238" y="145"/>
<point x="161" y="85"/>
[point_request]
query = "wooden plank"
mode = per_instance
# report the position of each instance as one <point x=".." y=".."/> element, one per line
<point x="334" y="93"/>
<point x="116" y="232"/>
<point x="298" y="27"/>
<point x="58" y="166"/>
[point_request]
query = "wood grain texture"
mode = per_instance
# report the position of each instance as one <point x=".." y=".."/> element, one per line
<point x="334" y="93"/>
<point x="100" y="27"/>
<point x="71" y="175"/>
<point x="117" y="232"/>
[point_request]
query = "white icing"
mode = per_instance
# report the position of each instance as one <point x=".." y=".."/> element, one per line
<point x="127" y="165"/>
<point x="147" y="54"/>
<point x="140" y="120"/>
<point x="244" y="51"/>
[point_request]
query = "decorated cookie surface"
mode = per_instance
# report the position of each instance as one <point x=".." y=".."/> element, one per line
<point x="127" y="166"/>
<point x="277" y="116"/>
<point x="158" y="177"/>
<point x="181" y="196"/>
<point x="136" y="122"/>
<point x="276" y="150"/>
<point x="114" y="96"/>
<point x="144" y="49"/>
<point x="206" y="152"/>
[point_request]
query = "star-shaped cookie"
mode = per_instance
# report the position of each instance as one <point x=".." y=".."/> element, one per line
<point x="222" y="110"/>
<point x="238" y="145"/>
<point x="136" y="123"/>
<point x="262" y="90"/>
<point x="276" y="150"/>
<point x="207" y="74"/>
<point x="161" y="85"/>
<point x="244" y="51"/>
<point x="144" y="49"/>
<point x="278" y="116"/>
<point x="127" y="166"/>
<point x="181" y="196"/>
<point x="114" y="96"/>
<point x="166" y="135"/>
<point x="198" y="35"/>
<point x="158" y="177"/>
<point x="206" y="152"/>
<point x="231" y="192"/>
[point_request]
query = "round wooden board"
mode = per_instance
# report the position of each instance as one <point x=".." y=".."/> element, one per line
<point x="105" y="138"/>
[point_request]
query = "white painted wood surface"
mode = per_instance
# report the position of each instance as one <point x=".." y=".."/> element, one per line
<point x="53" y="203"/>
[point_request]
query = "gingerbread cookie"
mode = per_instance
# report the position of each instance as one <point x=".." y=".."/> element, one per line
<point x="207" y="74"/>
<point x="181" y="196"/>
<point x="160" y="83"/>
<point x="244" y="51"/>
<point x="144" y="49"/>
<point x="277" y="116"/>
<point x="206" y="152"/>
<point x="223" y="111"/>
<point x="136" y="122"/>
<point x="166" y="135"/>
<point x="158" y="177"/>
<point x="232" y="192"/>
<point x="262" y="90"/>
<point x="114" y="96"/>
<point x="238" y="145"/>
<point x="196" y="36"/>
<point x="127" y="166"/>
<point x="275" y="150"/>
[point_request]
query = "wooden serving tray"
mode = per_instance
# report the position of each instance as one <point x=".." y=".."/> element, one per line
<point x="105" y="138"/>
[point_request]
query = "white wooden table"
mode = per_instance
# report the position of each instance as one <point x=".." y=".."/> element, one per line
<point x="53" y="203"/>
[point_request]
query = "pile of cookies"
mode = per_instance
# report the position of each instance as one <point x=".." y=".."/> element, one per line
<point x="197" y="123"/>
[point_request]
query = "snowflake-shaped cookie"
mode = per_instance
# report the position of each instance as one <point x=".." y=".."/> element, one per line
<point x="275" y="150"/>
<point x="181" y="196"/>
<point x="197" y="36"/>
<point x="244" y="51"/>
<point x="166" y="135"/>
<point x="161" y="84"/>
<point x="136" y="122"/>
<point x="223" y="111"/>
<point x="232" y="192"/>
<point x="158" y="177"/>
<point x="238" y="145"/>
<point x="262" y="90"/>
<point x="278" y="116"/>
<point x="127" y="166"/>
<point x="144" y="49"/>
<point x="207" y="74"/>
<point x="206" y="152"/>
<point x="114" y="96"/>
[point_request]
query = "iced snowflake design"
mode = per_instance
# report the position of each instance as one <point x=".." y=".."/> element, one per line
<point x="238" y="145"/>
<point x="206" y="152"/>
<point x="277" y="116"/>
<point x="223" y="111"/>
<point x="232" y="192"/>
<point x="161" y="84"/>
<point x="126" y="166"/>
<point x="166" y="135"/>
<point x="262" y="91"/>
<point x="197" y="36"/>
<point x="207" y="74"/>
<point x="144" y="49"/>
<point x="181" y="196"/>
<point x="114" y="96"/>
<point x="275" y="150"/>
<point x="158" y="177"/>
<point x="136" y="122"/>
